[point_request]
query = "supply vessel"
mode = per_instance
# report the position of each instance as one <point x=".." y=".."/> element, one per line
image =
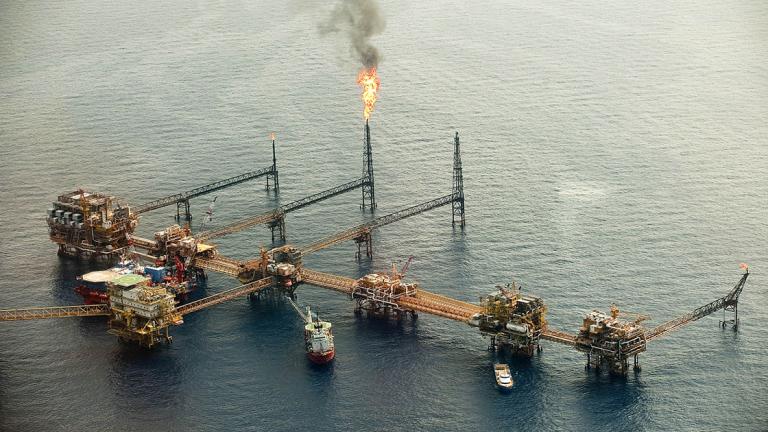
<point x="93" y="286"/>
<point x="318" y="337"/>
<point x="503" y="378"/>
<point x="319" y="341"/>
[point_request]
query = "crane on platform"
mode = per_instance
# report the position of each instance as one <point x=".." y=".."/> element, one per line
<point x="404" y="270"/>
<point x="637" y="318"/>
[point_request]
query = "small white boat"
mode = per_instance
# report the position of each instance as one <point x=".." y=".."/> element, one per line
<point x="503" y="377"/>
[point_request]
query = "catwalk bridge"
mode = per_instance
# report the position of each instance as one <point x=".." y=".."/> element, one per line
<point x="275" y="219"/>
<point x="183" y="198"/>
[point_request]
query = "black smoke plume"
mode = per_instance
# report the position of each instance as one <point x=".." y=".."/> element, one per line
<point x="359" y="20"/>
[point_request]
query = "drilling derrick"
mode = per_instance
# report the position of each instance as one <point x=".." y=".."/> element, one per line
<point x="611" y="341"/>
<point x="458" y="184"/>
<point x="90" y="225"/>
<point x="141" y="313"/>
<point x="512" y="320"/>
<point x="369" y="196"/>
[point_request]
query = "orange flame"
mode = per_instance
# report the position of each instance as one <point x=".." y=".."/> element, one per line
<point x="273" y="136"/>
<point x="369" y="82"/>
<point x="744" y="266"/>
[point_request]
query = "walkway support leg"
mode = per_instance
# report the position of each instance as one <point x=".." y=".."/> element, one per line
<point x="364" y="239"/>
<point x="279" y="226"/>
<point x="187" y="214"/>
<point x="458" y="185"/>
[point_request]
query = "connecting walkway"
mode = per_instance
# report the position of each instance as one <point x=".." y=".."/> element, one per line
<point x="276" y="218"/>
<point x="730" y="301"/>
<point x="559" y="337"/>
<point x="361" y="233"/>
<point x="227" y="295"/>
<point x="220" y="264"/>
<point x="54" y="312"/>
<point x="184" y="197"/>
<point x="422" y="301"/>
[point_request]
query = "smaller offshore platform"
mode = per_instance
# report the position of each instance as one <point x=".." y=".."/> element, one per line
<point x="90" y="225"/>
<point x="611" y="341"/>
<point x="141" y="312"/>
<point x="512" y="320"/>
<point x="379" y="293"/>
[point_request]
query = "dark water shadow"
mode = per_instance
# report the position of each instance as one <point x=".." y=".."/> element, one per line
<point x="145" y="377"/>
<point x="613" y="399"/>
<point x="64" y="275"/>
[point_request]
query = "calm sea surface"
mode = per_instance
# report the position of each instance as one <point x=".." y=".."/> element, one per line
<point x="614" y="153"/>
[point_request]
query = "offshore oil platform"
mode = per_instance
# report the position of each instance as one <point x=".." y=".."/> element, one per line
<point x="512" y="320"/>
<point x="90" y="224"/>
<point x="141" y="307"/>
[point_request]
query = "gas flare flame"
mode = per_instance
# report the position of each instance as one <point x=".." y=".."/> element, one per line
<point x="369" y="82"/>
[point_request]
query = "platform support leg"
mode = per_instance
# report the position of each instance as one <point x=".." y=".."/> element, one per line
<point x="187" y="214"/>
<point x="364" y="240"/>
<point x="279" y="226"/>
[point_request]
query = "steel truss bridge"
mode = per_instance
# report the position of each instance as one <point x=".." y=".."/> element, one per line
<point x="54" y="312"/>
<point x="276" y="218"/>
<point x="361" y="233"/>
<point x="182" y="199"/>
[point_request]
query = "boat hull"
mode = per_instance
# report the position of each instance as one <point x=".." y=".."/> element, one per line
<point x="91" y="297"/>
<point x="321" y="358"/>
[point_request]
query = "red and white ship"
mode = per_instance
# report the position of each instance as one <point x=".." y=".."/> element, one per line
<point x="318" y="337"/>
<point x="319" y="341"/>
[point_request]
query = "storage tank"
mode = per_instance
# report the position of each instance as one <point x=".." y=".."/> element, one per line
<point x="474" y="320"/>
<point x="517" y="328"/>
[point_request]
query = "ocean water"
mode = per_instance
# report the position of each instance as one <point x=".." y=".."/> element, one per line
<point x="613" y="153"/>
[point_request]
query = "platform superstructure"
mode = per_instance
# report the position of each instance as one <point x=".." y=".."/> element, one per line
<point x="379" y="293"/>
<point x="90" y="225"/>
<point x="140" y="312"/>
<point x="512" y="320"/>
<point x="610" y="341"/>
